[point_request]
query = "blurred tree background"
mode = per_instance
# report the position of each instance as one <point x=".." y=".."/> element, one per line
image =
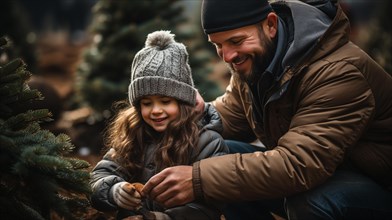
<point x="373" y="29"/>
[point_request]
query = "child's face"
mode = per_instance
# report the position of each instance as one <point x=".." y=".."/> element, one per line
<point x="159" y="111"/>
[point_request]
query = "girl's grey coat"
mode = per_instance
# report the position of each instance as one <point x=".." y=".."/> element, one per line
<point x="107" y="173"/>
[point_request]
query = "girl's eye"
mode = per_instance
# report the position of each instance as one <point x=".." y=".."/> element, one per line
<point x="145" y="103"/>
<point x="168" y="101"/>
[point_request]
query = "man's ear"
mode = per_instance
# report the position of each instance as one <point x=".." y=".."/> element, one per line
<point x="271" y="25"/>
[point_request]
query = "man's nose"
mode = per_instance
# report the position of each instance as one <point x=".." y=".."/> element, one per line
<point x="228" y="54"/>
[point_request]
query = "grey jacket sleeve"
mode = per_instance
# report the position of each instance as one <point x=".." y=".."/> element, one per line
<point x="211" y="144"/>
<point x="103" y="176"/>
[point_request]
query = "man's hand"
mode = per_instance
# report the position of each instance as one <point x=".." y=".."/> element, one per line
<point x="171" y="187"/>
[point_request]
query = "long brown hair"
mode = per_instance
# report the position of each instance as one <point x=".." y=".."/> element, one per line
<point x="128" y="134"/>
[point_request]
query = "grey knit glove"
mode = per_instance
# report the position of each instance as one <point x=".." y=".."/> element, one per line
<point x="126" y="196"/>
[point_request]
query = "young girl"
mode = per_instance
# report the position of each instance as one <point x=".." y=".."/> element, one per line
<point x="158" y="129"/>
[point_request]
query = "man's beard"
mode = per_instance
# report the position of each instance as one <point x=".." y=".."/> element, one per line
<point x="260" y="61"/>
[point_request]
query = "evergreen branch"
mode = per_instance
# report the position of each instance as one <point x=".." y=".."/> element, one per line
<point x="28" y="212"/>
<point x="66" y="145"/>
<point x="30" y="137"/>
<point x="9" y="89"/>
<point x="4" y="42"/>
<point x="30" y="95"/>
<point x="34" y="136"/>
<point x="61" y="208"/>
<point x="21" y="75"/>
<point x="7" y="145"/>
<point x="69" y="208"/>
<point x="35" y="157"/>
<point x="11" y="67"/>
<point x="76" y="181"/>
<point x="19" y="169"/>
<point x="5" y="110"/>
<point x="76" y="176"/>
<point x="22" y="97"/>
<point x="34" y="128"/>
<point x="78" y="164"/>
<point x="22" y="120"/>
<point x="19" y="135"/>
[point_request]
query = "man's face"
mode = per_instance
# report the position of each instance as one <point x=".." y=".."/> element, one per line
<point x="246" y="50"/>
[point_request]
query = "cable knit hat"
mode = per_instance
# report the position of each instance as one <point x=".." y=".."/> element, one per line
<point x="223" y="15"/>
<point x="161" y="68"/>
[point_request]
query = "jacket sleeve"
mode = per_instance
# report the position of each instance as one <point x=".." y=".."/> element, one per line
<point x="211" y="144"/>
<point x="103" y="176"/>
<point x="232" y="113"/>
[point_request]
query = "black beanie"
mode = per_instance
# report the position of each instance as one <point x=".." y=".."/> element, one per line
<point x="223" y="15"/>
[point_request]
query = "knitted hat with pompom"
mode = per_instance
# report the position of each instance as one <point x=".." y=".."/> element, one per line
<point x="161" y="68"/>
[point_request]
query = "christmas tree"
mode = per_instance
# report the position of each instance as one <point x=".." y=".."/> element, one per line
<point x="37" y="178"/>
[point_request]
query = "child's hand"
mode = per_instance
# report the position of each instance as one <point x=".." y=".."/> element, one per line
<point x="126" y="196"/>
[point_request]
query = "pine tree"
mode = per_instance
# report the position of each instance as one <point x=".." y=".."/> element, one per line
<point x="37" y="179"/>
<point x="119" y="31"/>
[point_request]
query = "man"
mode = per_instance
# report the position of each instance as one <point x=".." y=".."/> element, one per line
<point x="318" y="103"/>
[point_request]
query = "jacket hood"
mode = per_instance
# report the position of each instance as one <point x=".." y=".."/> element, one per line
<point x="305" y="32"/>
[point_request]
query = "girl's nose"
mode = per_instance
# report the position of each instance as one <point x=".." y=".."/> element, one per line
<point x="156" y="109"/>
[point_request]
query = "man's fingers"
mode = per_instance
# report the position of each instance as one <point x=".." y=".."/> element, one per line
<point x="152" y="184"/>
<point x="174" y="201"/>
<point x="174" y="196"/>
<point x="158" y="190"/>
<point x="161" y="195"/>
